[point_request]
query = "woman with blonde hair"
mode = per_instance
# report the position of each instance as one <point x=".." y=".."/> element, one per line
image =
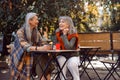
<point x="67" y="36"/>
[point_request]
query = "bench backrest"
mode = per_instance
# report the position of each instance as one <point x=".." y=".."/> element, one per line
<point x="116" y="40"/>
<point x="106" y="40"/>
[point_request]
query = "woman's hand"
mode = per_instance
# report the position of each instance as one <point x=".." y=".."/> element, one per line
<point x="65" y="31"/>
<point x="47" y="47"/>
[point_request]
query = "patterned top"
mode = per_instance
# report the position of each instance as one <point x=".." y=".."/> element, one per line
<point x="21" y="61"/>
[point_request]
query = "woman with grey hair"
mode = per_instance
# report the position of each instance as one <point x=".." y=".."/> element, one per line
<point x="29" y="38"/>
<point x="67" y="37"/>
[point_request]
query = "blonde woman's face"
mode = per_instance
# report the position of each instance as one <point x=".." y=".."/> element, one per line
<point x="63" y="24"/>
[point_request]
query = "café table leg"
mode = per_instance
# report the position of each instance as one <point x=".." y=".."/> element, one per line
<point x="44" y="70"/>
<point x="60" y="68"/>
<point x="90" y="59"/>
<point x="86" y="54"/>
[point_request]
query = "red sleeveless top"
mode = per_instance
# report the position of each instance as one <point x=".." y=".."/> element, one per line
<point x="70" y="36"/>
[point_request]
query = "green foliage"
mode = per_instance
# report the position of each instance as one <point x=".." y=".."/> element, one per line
<point x="13" y="13"/>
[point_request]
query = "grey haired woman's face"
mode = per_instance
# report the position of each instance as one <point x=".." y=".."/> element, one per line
<point x="63" y="24"/>
<point x="34" y="22"/>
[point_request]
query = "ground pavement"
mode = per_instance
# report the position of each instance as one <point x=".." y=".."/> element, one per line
<point x="4" y="72"/>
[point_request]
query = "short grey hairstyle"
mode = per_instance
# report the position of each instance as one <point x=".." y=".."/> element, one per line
<point x="69" y="21"/>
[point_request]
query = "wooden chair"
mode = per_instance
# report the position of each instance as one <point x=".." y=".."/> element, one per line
<point x="114" y="65"/>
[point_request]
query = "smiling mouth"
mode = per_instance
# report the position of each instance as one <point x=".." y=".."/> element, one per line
<point x="61" y="26"/>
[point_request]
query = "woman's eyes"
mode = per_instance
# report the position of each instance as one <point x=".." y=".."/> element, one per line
<point x="62" y="22"/>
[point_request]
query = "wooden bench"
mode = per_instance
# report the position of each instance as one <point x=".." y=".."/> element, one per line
<point x="108" y="41"/>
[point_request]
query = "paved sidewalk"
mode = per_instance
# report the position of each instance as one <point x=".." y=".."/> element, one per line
<point x="5" y="74"/>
